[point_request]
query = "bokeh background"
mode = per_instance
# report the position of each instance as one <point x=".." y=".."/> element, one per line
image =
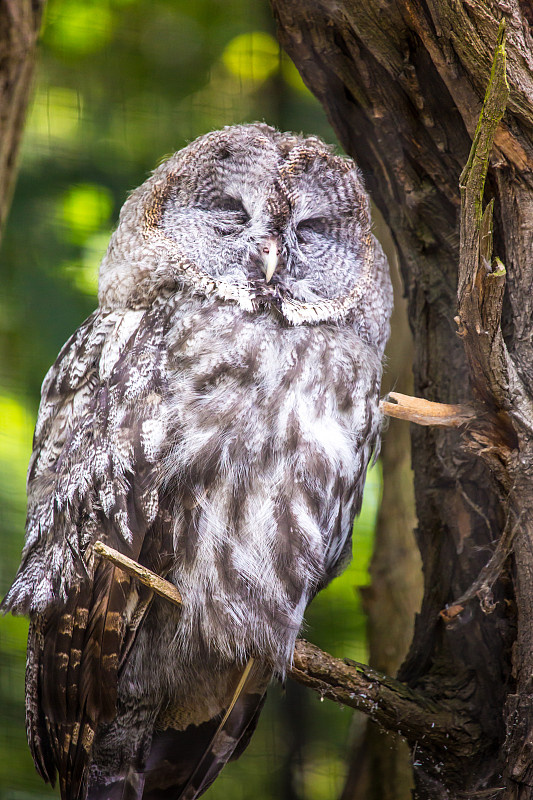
<point x="119" y="85"/>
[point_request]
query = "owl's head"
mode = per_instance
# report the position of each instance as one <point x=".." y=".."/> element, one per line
<point x="268" y="220"/>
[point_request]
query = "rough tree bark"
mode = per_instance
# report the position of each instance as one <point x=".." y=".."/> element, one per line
<point x="380" y="764"/>
<point x="403" y="83"/>
<point x="20" y="22"/>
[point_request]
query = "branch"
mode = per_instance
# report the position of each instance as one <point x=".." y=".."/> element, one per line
<point x="484" y="435"/>
<point x="20" y="21"/>
<point x="387" y="701"/>
<point x="159" y="585"/>
<point x="482" y="586"/>
<point x="426" y="412"/>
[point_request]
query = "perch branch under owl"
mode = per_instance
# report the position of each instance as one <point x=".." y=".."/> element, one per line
<point x="390" y="703"/>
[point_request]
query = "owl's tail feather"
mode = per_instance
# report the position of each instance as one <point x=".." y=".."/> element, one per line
<point x="243" y="709"/>
<point x="128" y="787"/>
<point x="182" y="764"/>
<point x="193" y="758"/>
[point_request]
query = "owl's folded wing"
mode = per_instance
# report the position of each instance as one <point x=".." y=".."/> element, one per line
<point x="92" y="476"/>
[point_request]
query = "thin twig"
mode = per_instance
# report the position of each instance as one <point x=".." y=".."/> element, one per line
<point x="159" y="585"/>
<point x="489" y="574"/>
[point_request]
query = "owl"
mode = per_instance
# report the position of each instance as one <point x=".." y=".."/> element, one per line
<point x="213" y="419"/>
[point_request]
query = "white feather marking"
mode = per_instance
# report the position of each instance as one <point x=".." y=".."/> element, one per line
<point x="126" y="324"/>
<point x="121" y="520"/>
<point x="152" y="437"/>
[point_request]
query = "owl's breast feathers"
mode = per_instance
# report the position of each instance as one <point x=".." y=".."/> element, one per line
<point x="224" y="450"/>
<point x="269" y="430"/>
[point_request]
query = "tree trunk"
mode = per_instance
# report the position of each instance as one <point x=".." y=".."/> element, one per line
<point x="20" y="22"/>
<point x="403" y="84"/>
<point x="380" y="765"/>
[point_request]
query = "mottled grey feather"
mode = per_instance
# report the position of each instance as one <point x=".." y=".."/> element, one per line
<point x="217" y="428"/>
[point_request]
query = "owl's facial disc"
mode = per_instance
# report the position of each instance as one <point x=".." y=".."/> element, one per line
<point x="265" y="219"/>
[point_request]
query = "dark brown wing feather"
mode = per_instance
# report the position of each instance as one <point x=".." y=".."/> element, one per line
<point x="91" y="478"/>
<point x="77" y="658"/>
<point x="40" y="745"/>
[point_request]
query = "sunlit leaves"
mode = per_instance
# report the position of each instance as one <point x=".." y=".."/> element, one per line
<point x="322" y="772"/>
<point x="55" y="115"/>
<point x="82" y="273"/>
<point x="252" y="56"/>
<point x="84" y="209"/>
<point x="16" y="434"/>
<point x="16" y="431"/>
<point x="293" y="77"/>
<point x="75" y="29"/>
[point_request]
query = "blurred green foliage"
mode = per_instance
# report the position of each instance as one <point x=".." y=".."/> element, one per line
<point x="121" y="83"/>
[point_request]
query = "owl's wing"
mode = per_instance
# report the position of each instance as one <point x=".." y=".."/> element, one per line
<point x="93" y="475"/>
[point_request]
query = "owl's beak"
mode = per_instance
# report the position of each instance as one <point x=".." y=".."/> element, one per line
<point x="270" y="258"/>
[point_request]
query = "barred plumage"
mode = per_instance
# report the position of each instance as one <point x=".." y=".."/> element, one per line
<point x="213" y="419"/>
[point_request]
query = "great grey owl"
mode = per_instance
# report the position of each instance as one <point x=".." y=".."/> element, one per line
<point x="213" y="419"/>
